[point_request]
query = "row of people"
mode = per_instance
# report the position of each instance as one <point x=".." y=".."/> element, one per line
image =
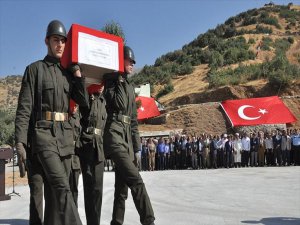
<point x="279" y="148"/>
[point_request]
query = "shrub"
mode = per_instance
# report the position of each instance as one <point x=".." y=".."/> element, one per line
<point x="279" y="79"/>
<point x="251" y="41"/>
<point x="291" y="40"/>
<point x="166" y="89"/>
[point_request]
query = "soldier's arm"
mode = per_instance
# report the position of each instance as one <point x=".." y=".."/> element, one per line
<point x="134" y="128"/>
<point x="79" y="92"/>
<point x="25" y="105"/>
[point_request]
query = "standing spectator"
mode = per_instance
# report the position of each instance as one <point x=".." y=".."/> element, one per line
<point x="172" y="154"/>
<point x="152" y="151"/>
<point x="200" y="152"/>
<point x="261" y="149"/>
<point x="183" y="152"/>
<point x="285" y="148"/>
<point x="188" y="153"/>
<point x="237" y="149"/>
<point x="269" y="150"/>
<point x="177" y="149"/>
<point x="296" y="145"/>
<point x="161" y="154"/>
<point x="144" y="155"/>
<point x="228" y="150"/>
<point x="245" y="150"/>
<point x="277" y="150"/>
<point x="194" y="151"/>
<point x="213" y="151"/>
<point x="253" y="149"/>
<point x="223" y="152"/>
<point x="219" y="144"/>
<point x="167" y="154"/>
<point x="292" y="153"/>
<point x="206" y="150"/>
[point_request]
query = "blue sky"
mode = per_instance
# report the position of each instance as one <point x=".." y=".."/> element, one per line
<point x="152" y="27"/>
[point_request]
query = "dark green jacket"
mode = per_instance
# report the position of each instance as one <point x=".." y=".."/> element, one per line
<point x="93" y="116"/>
<point x="58" y="86"/>
<point x="120" y="99"/>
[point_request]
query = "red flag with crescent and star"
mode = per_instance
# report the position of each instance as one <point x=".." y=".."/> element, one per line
<point x="148" y="108"/>
<point x="257" y="111"/>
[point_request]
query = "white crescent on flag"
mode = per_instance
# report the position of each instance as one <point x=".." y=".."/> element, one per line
<point x="242" y="113"/>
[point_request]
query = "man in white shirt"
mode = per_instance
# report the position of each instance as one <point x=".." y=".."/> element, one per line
<point x="245" y="150"/>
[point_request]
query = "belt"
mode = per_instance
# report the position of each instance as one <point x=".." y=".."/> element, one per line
<point x="122" y="118"/>
<point x="55" y="116"/>
<point x="92" y="130"/>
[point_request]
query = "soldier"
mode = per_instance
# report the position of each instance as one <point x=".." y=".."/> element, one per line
<point x="75" y="163"/>
<point x="91" y="154"/>
<point x="43" y="112"/>
<point x="122" y="143"/>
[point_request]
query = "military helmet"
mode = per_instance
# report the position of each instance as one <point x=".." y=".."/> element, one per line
<point x="56" y="27"/>
<point x="128" y="54"/>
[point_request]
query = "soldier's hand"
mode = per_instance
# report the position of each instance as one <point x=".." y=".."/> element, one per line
<point x="75" y="70"/>
<point x="136" y="159"/>
<point x="21" y="152"/>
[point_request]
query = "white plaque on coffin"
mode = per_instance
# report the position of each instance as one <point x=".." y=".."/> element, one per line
<point x="97" y="56"/>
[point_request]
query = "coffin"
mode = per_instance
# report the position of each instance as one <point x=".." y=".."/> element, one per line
<point x="95" y="51"/>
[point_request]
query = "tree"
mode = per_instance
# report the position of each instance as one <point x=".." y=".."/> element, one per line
<point x="115" y="29"/>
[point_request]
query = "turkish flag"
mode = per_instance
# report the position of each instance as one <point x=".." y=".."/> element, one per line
<point x="148" y="108"/>
<point x="256" y="111"/>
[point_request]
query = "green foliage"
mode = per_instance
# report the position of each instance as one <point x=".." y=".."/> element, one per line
<point x="281" y="45"/>
<point x="271" y="21"/>
<point x="289" y="15"/>
<point x="167" y="89"/>
<point x="7" y="124"/>
<point x="263" y="30"/>
<point x="251" y="41"/>
<point x="266" y="43"/>
<point x="224" y="46"/>
<point x="279" y="72"/>
<point x="115" y="29"/>
<point x="291" y="40"/>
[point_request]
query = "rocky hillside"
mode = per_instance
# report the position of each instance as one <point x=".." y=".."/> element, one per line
<point x="193" y="101"/>
<point x="9" y="91"/>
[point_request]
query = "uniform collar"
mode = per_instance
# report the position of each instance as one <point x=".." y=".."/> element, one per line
<point x="50" y="60"/>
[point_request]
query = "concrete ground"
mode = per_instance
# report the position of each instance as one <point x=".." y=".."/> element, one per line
<point x="242" y="196"/>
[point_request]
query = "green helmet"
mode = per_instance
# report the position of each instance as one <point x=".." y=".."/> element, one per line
<point x="128" y="54"/>
<point x="56" y="27"/>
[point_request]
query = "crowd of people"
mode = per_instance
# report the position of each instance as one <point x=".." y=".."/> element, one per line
<point x="276" y="148"/>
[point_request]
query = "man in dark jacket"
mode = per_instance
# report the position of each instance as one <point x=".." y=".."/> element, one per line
<point x="43" y="112"/>
<point x="91" y="154"/>
<point x="122" y="143"/>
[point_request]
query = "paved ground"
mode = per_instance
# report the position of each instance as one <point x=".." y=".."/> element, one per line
<point x="263" y="196"/>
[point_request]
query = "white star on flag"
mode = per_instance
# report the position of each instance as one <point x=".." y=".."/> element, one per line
<point x="262" y="111"/>
<point x="142" y="108"/>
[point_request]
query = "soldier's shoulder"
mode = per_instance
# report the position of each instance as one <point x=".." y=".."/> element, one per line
<point x="35" y="64"/>
<point x="33" y="69"/>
